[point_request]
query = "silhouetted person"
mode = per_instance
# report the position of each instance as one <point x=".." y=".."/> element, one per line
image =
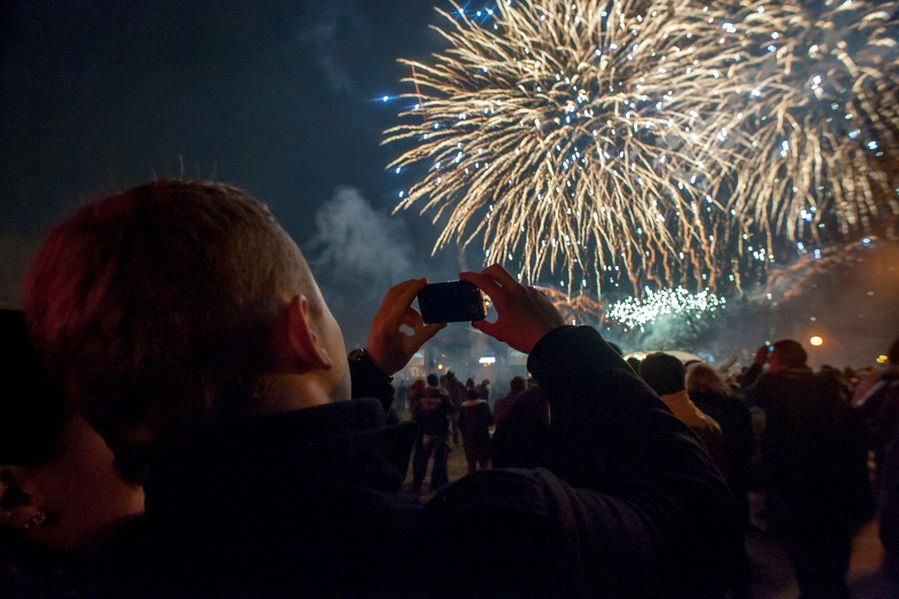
<point x="881" y="405"/>
<point x="457" y="394"/>
<point x="634" y="363"/>
<point x="432" y="415"/>
<point x="484" y="390"/>
<point x="475" y="420"/>
<point x="503" y="406"/>
<point x="713" y="396"/>
<point x="666" y="375"/>
<point x="471" y="389"/>
<point x="814" y="465"/>
<point x="876" y="402"/>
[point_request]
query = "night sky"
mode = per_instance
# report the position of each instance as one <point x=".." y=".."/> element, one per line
<point x="277" y="97"/>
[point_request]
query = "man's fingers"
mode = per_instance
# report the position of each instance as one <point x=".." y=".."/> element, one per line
<point x="486" y="284"/>
<point x="412" y="319"/>
<point x="502" y="275"/>
<point x="394" y="292"/>
<point x="413" y="315"/>
<point x="388" y="302"/>
<point x="403" y="299"/>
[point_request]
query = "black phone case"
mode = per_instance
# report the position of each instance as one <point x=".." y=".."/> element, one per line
<point x="456" y="301"/>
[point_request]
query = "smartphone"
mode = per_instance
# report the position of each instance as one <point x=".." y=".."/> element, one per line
<point x="456" y="301"/>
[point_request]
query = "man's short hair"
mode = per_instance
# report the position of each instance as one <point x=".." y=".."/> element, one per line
<point x="517" y="385"/>
<point x="790" y="353"/>
<point x="663" y="372"/>
<point x="155" y="306"/>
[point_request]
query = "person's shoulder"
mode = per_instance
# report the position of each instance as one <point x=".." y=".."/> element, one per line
<point x="499" y="530"/>
<point x="712" y="425"/>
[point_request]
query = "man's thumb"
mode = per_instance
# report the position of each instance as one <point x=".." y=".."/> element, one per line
<point x="486" y="327"/>
<point x="427" y="332"/>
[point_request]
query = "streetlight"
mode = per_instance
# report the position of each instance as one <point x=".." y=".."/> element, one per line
<point x="816" y="340"/>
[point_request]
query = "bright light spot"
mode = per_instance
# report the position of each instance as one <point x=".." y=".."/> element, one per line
<point x="881" y="359"/>
<point x="816" y="340"/>
<point x="487" y="360"/>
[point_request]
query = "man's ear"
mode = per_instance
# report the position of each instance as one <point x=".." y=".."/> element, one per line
<point x="303" y="340"/>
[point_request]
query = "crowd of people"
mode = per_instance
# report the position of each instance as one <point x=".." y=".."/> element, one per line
<point x="183" y="419"/>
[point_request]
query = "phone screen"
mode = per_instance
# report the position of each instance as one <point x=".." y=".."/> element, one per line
<point x="456" y="301"/>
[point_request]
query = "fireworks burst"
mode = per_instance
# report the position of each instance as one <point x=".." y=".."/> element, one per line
<point x="819" y="111"/>
<point x="576" y="309"/>
<point x="665" y="141"/>
<point x="582" y="136"/>
<point x="635" y="313"/>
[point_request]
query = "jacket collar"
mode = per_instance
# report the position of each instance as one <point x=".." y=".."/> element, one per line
<point x="684" y="409"/>
<point x="342" y="443"/>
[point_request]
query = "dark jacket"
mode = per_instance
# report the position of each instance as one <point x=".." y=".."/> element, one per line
<point x="475" y="420"/>
<point x="626" y="502"/>
<point x="521" y="440"/>
<point x="736" y="425"/>
<point x="813" y="448"/>
<point x="433" y="411"/>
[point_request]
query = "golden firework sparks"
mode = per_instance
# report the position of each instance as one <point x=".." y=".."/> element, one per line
<point x="583" y="137"/>
<point x="658" y="140"/>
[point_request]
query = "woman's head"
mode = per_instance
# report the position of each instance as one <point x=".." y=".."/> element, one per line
<point x="702" y="378"/>
<point x="57" y="480"/>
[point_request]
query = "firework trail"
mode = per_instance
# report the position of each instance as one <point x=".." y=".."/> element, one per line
<point x="666" y="141"/>
<point x="575" y="309"/>
<point x="586" y="137"/>
<point x="819" y="116"/>
<point x="791" y="281"/>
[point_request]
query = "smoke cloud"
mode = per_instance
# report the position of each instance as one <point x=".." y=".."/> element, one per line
<point x="357" y="253"/>
<point x="329" y="24"/>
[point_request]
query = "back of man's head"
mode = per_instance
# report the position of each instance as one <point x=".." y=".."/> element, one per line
<point x="433" y="380"/>
<point x="155" y="308"/>
<point x="663" y="372"/>
<point x="894" y="353"/>
<point x="787" y="354"/>
<point x="517" y="385"/>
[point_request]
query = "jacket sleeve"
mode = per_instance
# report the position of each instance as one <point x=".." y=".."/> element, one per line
<point x="752" y="375"/>
<point x="367" y="380"/>
<point x="646" y="501"/>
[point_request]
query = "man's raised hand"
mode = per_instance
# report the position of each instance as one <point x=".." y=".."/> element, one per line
<point x="389" y="347"/>
<point x="525" y="315"/>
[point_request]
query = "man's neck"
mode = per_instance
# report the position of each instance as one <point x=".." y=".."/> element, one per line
<point x="287" y="392"/>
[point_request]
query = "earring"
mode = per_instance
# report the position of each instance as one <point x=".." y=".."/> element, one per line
<point x="39" y="519"/>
